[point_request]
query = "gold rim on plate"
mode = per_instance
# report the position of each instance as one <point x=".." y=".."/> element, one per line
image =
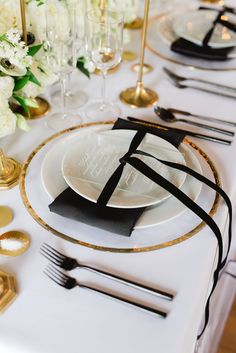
<point x="176" y="61"/>
<point x="179" y="238"/>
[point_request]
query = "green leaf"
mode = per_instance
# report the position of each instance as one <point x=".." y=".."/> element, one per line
<point x="80" y="66"/>
<point x="32" y="78"/>
<point x="22" y="123"/>
<point x="20" y="83"/>
<point x="33" y="50"/>
<point x="42" y="70"/>
<point x="31" y="102"/>
<point x="22" y="102"/>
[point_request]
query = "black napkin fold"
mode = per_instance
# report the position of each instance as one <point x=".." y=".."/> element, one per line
<point x="117" y="220"/>
<point x="175" y="138"/>
<point x="185" y="47"/>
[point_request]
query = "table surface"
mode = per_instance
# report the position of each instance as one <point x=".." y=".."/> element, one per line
<point x="46" y="319"/>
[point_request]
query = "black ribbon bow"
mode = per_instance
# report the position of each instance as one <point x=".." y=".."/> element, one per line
<point x="180" y="195"/>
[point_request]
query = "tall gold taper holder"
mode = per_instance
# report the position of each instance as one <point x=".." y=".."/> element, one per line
<point x="43" y="105"/>
<point x="139" y="96"/>
<point x="9" y="171"/>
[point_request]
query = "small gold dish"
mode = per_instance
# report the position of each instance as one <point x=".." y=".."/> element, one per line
<point x="8" y="290"/>
<point x="14" y="243"/>
<point x="6" y="216"/>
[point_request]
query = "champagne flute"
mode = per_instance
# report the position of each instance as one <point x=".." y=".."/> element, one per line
<point x="60" y="51"/>
<point x="104" y="39"/>
<point x="75" y="97"/>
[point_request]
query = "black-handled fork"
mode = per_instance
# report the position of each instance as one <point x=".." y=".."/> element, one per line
<point x="68" y="282"/>
<point x="68" y="264"/>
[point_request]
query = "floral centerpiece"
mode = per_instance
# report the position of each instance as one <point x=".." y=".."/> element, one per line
<point x="23" y="75"/>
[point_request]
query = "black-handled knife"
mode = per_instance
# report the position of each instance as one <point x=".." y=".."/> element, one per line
<point x="186" y="132"/>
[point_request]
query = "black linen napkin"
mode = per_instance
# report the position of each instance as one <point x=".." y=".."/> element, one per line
<point x="117" y="220"/>
<point x="185" y="47"/>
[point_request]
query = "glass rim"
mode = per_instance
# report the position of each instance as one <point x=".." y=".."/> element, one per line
<point x="120" y="18"/>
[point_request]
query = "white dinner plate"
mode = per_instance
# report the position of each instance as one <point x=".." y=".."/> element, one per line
<point x="194" y="25"/>
<point x="90" y="161"/>
<point x="54" y="183"/>
<point x="161" y="35"/>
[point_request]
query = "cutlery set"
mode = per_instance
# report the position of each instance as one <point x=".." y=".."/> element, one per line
<point x="59" y="260"/>
<point x="168" y="115"/>
<point x="208" y="86"/>
<point x="186" y="132"/>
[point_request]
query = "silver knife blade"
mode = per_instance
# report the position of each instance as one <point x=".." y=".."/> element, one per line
<point x="203" y="117"/>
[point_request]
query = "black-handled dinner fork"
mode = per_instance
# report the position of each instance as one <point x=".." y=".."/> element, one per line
<point x="68" y="264"/>
<point x="68" y="282"/>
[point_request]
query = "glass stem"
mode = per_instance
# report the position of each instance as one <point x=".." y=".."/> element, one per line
<point x="104" y="75"/>
<point x="63" y="95"/>
<point x="68" y="85"/>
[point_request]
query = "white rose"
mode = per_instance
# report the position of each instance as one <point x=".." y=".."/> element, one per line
<point x="7" y="121"/>
<point x="6" y="87"/>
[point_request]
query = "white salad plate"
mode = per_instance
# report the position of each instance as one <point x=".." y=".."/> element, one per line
<point x="194" y="25"/>
<point x="89" y="163"/>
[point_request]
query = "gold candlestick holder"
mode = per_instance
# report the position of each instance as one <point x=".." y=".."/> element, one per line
<point x="8" y="290"/>
<point x="43" y="105"/>
<point x="214" y="2"/>
<point x="10" y="170"/>
<point x="42" y="109"/>
<point x="137" y="23"/>
<point x="140" y="96"/>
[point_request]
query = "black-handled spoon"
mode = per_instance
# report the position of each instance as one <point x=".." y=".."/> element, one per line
<point x="169" y="117"/>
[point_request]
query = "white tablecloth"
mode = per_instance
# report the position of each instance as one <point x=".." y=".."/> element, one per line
<point x="47" y="319"/>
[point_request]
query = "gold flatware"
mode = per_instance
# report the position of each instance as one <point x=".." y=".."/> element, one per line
<point x="14" y="243"/>
<point x="6" y="216"/>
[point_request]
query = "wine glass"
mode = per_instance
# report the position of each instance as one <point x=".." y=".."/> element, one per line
<point x="75" y="97"/>
<point x="104" y="40"/>
<point x="60" y="55"/>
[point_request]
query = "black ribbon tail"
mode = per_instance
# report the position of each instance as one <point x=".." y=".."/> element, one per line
<point x="221" y="263"/>
<point x="113" y="181"/>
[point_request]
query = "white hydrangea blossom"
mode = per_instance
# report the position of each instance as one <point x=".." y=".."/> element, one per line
<point x="7" y="121"/>
<point x="7" y="118"/>
<point x="6" y="87"/>
<point x="14" y="60"/>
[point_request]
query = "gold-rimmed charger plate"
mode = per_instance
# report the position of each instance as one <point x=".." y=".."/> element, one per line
<point x="159" y="36"/>
<point x="119" y="249"/>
